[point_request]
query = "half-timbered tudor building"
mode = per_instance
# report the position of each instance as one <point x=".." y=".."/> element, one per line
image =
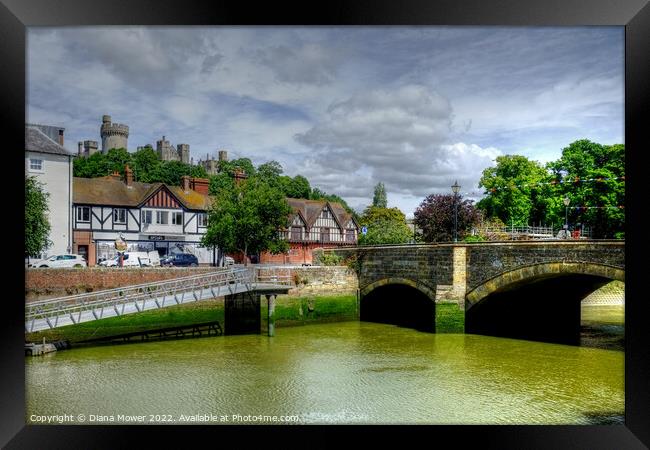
<point x="149" y="216"/>
<point x="314" y="224"/>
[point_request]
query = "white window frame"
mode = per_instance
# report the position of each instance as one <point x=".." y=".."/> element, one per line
<point x="80" y="210"/>
<point x="177" y="218"/>
<point x="202" y="219"/>
<point x="159" y="217"/>
<point x="147" y="217"/>
<point x="116" y="216"/>
<point x="32" y="165"/>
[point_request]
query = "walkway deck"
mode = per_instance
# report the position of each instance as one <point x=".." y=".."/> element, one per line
<point x="62" y="311"/>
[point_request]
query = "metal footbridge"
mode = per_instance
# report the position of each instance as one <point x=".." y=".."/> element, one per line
<point x="70" y="310"/>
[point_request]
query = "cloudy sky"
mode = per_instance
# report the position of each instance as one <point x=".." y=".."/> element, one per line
<point x="416" y="108"/>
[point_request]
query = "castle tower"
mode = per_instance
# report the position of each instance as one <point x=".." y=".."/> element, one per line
<point x="223" y="155"/>
<point x="87" y="148"/>
<point x="183" y="151"/>
<point x="114" y="135"/>
<point x="165" y="151"/>
<point x="90" y="147"/>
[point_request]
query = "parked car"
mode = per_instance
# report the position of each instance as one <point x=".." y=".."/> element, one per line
<point x="57" y="261"/>
<point x="229" y="260"/>
<point x="134" y="259"/>
<point x="181" y="260"/>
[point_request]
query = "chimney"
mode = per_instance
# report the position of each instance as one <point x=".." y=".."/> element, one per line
<point x="239" y="175"/>
<point x="61" y="137"/>
<point x="185" y="182"/>
<point x="81" y="147"/>
<point x="200" y="185"/>
<point x="128" y="175"/>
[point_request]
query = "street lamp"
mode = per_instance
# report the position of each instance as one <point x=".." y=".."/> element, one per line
<point x="455" y="189"/>
<point x="566" y="212"/>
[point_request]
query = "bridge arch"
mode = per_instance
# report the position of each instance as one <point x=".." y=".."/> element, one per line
<point x="404" y="281"/>
<point x="526" y="274"/>
<point x="537" y="301"/>
<point x="398" y="301"/>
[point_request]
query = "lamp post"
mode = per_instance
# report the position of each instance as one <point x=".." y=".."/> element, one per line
<point x="455" y="189"/>
<point x="566" y="212"/>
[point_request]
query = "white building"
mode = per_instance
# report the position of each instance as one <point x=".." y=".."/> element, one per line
<point x="149" y="216"/>
<point x="51" y="164"/>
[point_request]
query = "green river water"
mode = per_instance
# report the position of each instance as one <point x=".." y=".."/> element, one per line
<point x="335" y="373"/>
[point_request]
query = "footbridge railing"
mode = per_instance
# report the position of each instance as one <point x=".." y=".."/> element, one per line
<point x="57" y="312"/>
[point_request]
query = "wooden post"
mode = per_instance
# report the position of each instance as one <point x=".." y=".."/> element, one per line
<point x="271" y="302"/>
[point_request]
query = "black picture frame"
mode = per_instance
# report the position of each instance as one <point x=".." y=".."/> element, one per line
<point x="15" y="15"/>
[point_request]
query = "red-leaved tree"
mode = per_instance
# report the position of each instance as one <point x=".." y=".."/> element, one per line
<point x="435" y="217"/>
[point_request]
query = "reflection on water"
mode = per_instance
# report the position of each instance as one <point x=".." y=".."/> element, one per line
<point x="351" y="372"/>
<point x="603" y="326"/>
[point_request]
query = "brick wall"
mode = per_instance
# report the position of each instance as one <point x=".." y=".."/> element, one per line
<point x="49" y="283"/>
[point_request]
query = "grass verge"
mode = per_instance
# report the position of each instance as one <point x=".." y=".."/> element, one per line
<point x="449" y="318"/>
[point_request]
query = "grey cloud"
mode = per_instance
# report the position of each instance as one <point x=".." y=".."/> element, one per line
<point x="210" y="62"/>
<point x="395" y="129"/>
<point x="151" y="58"/>
<point x="399" y="137"/>
<point x="306" y="63"/>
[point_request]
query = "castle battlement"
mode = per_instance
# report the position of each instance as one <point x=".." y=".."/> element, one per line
<point x="114" y="129"/>
<point x="114" y="135"/>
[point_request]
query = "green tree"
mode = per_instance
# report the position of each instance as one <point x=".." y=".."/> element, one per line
<point x="513" y="190"/>
<point x="37" y="226"/>
<point x="146" y="165"/>
<point x="244" y="164"/>
<point x="270" y="170"/>
<point x="298" y="187"/>
<point x="247" y="218"/>
<point x="118" y="158"/>
<point x="379" y="198"/>
<point x="590" y="175"/>
<point x="221" y="181"/>
<point x="96" y="165"/>
<point x="170" y="172"/>
<point x="385" y="226"/>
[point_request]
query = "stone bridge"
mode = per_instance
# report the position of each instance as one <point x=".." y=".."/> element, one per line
<point x="516" y="289"/>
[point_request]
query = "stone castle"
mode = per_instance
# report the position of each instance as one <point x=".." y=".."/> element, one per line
<point x="116" y="135"/>
<point x="167" y="152"/>
<point x="211" y="166"/>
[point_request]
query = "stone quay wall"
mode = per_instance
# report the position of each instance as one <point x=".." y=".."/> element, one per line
<point x="314" y="281"/>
